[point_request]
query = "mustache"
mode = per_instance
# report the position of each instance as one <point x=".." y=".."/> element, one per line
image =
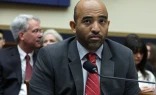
<point x="95" y="35"/>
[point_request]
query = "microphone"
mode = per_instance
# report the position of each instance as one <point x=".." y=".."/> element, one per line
<point x="91" y="68"/>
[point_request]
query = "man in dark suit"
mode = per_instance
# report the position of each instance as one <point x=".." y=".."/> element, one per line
<point x="13" y="63"/>
<point x="60" y="72"/>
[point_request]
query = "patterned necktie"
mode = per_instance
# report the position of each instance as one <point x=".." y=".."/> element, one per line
<point x="92" y="84"/>
<point x="29" y="69"/>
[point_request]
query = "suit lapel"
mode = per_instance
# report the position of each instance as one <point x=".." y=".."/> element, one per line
<point x="75" y="66"/>
<point x="107" y="68"/>
<point x="34" y="58"/>
<point x="15" y="57"/>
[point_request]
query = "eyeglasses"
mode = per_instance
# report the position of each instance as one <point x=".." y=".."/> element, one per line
<point x="37" y="31"/>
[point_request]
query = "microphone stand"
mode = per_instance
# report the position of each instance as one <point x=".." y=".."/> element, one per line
<point x="109" y="77"/>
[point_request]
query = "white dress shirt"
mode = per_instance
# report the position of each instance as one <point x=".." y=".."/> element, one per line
<point x="23" y="90"/>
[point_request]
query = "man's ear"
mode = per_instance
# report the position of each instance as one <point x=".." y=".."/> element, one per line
<point x="20" y="35"/>
<point x="73" y="26"/>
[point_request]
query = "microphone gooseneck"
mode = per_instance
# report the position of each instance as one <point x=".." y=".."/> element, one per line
<point x="91" y="68"/>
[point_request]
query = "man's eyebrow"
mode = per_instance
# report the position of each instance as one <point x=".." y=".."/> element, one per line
<point x="87" y="17"/>
<point x="103" y="16"/>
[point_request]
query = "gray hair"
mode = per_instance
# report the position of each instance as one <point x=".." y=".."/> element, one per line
<point x="54" y="33"/>
<point x="20" y="24"/>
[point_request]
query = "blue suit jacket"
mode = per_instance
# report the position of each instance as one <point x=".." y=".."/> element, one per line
<point x="58" y="70"/>
<point x="10" y="71"/>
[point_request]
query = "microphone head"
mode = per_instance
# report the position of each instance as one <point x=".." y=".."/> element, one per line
<point x="91" y="68"/>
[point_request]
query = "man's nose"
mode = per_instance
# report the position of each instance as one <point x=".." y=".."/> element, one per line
<point x="40" y="35"/>
<point x="95" y="28"/>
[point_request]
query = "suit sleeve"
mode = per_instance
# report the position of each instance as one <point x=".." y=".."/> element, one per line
<point x="42" y="82"/>
<point x="132" y="88"/>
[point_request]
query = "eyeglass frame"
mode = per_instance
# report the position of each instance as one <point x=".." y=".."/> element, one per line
<point x="37" y="31"/>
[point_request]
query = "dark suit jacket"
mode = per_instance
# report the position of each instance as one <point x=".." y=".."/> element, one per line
<point x="10" y="71"/>
<point x="58" y="70"/>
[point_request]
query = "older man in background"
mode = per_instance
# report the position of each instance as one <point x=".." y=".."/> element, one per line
<point x="16" y="63"/>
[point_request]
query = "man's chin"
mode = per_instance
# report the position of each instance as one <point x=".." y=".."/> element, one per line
<point x="94" y="46"/>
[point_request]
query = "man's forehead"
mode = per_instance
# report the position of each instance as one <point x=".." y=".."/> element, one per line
<point x="92" y="13"/>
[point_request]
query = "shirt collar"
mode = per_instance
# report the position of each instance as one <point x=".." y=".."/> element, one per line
<point x="83" y="51"/>
<point x="23" y="54"/>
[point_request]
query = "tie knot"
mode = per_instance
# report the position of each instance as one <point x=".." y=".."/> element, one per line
<point x="27" y="57"/>
<point x="91" y="57"/>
